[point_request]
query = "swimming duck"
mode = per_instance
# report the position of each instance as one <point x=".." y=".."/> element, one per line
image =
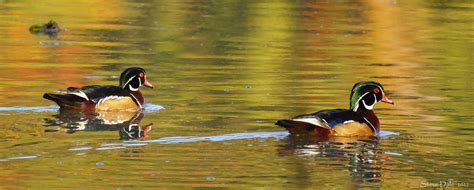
<point x="95" y="98"/>
<point x="51" y="29"/>
<point x="359" y="120"/>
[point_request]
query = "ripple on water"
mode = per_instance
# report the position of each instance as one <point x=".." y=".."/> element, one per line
<point x="23" y="157"/>
<point x="393" y="153"/>
<point x="236" y="136"/>
<point x="187" y="139"/>
<point x="149" y="107"/>
<point x="110" y="148"/>
<point x="225" y="137"/>
<point x="53" y="43"/>
<point x="134" y="144"/>
<point x="80" y="148"/>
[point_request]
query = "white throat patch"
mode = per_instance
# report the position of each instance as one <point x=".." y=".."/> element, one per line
<point x="132" y="89"/>
<point x="371" y="106"/>
<point x="130" y="86"/>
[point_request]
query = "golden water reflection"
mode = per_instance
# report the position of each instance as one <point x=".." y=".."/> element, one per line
<point x="125" y="122"/>
<point x="364" y="158"/>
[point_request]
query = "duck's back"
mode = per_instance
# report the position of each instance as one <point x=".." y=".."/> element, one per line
<point x="95" y="98"/>
<point x="336" y="122"/>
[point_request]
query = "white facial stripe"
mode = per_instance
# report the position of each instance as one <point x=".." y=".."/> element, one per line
<point x="357" y="103"/>
<point x="124" y="85"/>
<point x="130" y="86"/>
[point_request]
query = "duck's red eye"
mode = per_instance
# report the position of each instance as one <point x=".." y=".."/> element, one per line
<point x="376" y="90"/>
<point x="141" y="75"/>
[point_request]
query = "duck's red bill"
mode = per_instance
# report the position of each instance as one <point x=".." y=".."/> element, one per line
<point x="386" y="100"/>
<point x="146" y="129"/>
<point x="147" y="84"/>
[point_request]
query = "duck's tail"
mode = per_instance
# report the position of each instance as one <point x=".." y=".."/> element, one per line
<point x="65" y="100"/>
<point x="302" y="128"/>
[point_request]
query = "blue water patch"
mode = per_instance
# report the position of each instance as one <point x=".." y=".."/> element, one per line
<point x="149" y="107"/>
<point x="384" y="134"/>
<point x="51" y="108"/>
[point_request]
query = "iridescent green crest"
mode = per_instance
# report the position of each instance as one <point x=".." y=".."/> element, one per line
<point x="360" y="89"/>
<point x="128" y="74"/>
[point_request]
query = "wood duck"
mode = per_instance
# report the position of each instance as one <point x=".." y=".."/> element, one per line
<point x="96" y="98"/>
<point x="359" y="120"/>
<point x="51" y="29"/>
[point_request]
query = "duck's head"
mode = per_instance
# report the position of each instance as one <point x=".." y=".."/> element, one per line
<point x="134" y="77"/>
<point x="51" y="26"/>
<point x="365" y="94"/>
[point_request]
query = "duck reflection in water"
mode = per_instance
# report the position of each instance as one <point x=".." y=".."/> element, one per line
<point x="365" y="160"/>
<point x="126" y="122"/>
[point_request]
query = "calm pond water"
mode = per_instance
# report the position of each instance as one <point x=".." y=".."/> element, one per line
<point x="224" y="72"/>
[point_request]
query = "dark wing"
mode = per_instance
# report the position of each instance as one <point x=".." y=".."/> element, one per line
<point x="296" y="127"/>
<point x="95" y="93"/>
<point x="315" y="123"/>
<point x="331" y="118"/>
<point x="65" y="100"/>
<point x="324" y="118"/>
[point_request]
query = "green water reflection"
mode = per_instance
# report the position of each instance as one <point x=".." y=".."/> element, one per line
<point x="233" y="67"/>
